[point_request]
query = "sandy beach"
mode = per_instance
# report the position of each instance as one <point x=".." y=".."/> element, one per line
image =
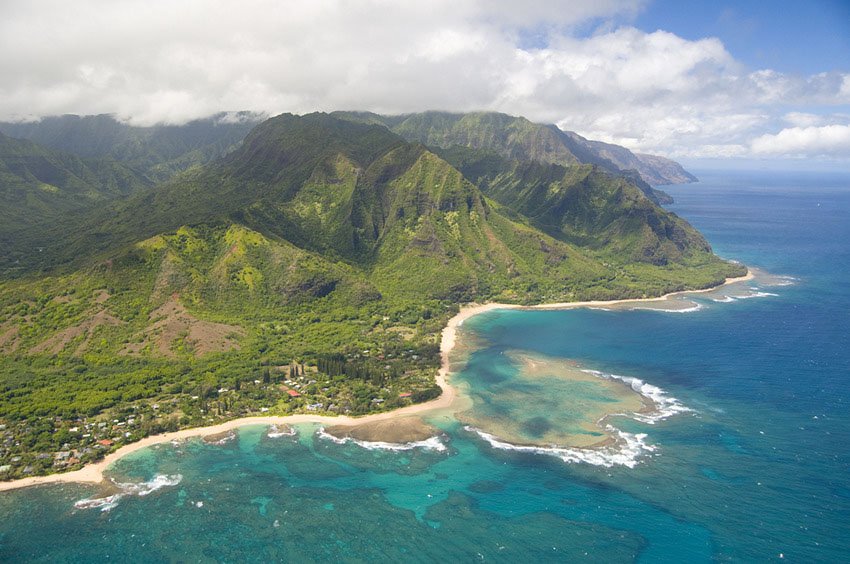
<point x="94" y="473"/>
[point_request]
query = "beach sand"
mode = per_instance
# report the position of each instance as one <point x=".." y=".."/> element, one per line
<point x="94" y="473"/>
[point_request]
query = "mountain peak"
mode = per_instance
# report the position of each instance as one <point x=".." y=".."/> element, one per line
<point x="523" y="140"/>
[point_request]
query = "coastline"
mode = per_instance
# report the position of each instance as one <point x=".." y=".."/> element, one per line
<point x="94" y="472"/>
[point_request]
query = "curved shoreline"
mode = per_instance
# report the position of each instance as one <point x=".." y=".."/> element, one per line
<point x="94" y="472"/>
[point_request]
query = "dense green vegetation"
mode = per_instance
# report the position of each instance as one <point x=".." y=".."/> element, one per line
<point x="38" y="185"/>
<point x="55" y="171"/>
<point x="157" y="152"/>
<point x="311" y="269"/>
<point x="516" y="138"/>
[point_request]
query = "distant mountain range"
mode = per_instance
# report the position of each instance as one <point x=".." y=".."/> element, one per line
<point x="351" y="211"/>
<point x="38" y="184"/>
<point x="519" y="139"/>
<point x="161" y="150"/>
<point x="337" y="185"/>
<point x="156" y="152"/>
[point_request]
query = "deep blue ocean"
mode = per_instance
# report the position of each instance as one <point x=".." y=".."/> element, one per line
<point x="757" y="469"/>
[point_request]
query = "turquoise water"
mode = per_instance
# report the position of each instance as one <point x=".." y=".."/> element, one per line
<point x="758" y="470"/>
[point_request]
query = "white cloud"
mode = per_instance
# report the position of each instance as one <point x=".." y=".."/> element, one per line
<point x="803" y="119"/>
<point x="173" y="61"/>
<point x="827" y="140"/>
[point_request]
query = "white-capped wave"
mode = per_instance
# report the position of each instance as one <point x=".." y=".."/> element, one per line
<point x="156" y="483"/>
<point x="129" y="488"/>
<point x="431" y="443"/>
<point x="275" y="432"/>
<point x="756" y="294"/>
<point x="626" y="450"/>
<point x="102" y="503"/>
<point x="723" y="300"/>
<point x="695" y="307"/>
<point x="665" y="405"/>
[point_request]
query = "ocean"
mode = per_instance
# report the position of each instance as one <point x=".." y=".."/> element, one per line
<point x="745" y="457"/>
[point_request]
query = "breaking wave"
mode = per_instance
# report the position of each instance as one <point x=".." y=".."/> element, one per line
<point x="432" y="443"/>
<point x="756" y="293"/>
<point x="130" y="488"/>
<point x="627" y="449"/>
<point x="665" y="404"/>
<point x="753" y="293"/>
<point x="275" y="432"/>
<point x="695" y="307"/>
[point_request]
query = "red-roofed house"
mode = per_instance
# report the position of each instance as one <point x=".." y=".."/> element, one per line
<point x="293" y="393"/>
<point x="405" y="395"/>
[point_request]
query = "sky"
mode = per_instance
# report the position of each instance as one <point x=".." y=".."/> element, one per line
<point x="686" y="79"/>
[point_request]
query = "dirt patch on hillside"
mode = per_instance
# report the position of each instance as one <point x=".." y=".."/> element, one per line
<point x="85" y="329"/>
<point x="9" y="338"/>
<point x="167" y="279"/>
<point x="173" y="324"/>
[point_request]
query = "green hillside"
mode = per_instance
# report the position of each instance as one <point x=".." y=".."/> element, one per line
<point x="322" y="256"/>
<point x="583" y="205"/>
<point x="39" y="185"/>
<point x="157" y="152"/>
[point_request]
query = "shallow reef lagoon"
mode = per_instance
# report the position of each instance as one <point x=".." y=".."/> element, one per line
<point x="746" y="457"/>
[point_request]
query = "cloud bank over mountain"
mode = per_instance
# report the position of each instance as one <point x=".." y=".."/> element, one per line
<point x="568" y="64"/>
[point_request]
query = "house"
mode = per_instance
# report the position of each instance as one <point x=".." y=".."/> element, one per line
<point x="405" y="395"/>
<point x="293" y="393"/>
<point x="105" y="442"/>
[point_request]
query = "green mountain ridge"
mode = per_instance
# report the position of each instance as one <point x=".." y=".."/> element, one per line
<point x="158" y="152"/>
<point x="38" y="185"/>
<point x="517" y="138"/>
<point x="353" y="191"/>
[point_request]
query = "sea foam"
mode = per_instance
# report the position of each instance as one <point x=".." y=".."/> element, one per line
<point x="695" y="307"/>
<point x="756" y="293"/>
<point x="275" y="432"/>
<point x="129" y="488"/>
<point x="627" y="449"/>
<point x="432" y="443"/>
<point x="753" y="293"/>
<point x="665" y="404"/>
